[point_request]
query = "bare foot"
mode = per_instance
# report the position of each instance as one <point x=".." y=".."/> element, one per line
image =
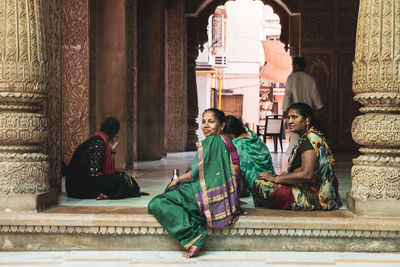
<point x="191" y="252"/>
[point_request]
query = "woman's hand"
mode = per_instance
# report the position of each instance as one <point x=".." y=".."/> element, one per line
<point x="267" y="176"/>
<point x="174" y="183"/>
<point x="114" y="143"/>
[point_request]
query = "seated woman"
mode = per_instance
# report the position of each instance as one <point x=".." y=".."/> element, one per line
<point x="309" y="182"/>
<point x="253" y="152"/>
<point x="206" y="196"/>
<point x="91" y="173"/>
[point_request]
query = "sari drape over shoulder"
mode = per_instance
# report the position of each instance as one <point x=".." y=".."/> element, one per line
<point x="209" y="200"/>
<point x="254" y="156"/>
<point x="321" y="195"/>
<point x="214" y="182"/>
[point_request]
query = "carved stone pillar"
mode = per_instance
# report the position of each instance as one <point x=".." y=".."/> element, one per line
<point x="175" y="82"/>
<point x="75" y="81"/>
<point x="192" y="102"/>
<point x="376" y="83"/>
<point x="24" y="181"/>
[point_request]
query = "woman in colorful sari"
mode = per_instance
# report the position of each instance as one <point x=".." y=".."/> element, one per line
<point x="309" y="182"/>
<point x="91" y="172"/>
<point x="253" y="152"/>
<point x="204" y="197"/>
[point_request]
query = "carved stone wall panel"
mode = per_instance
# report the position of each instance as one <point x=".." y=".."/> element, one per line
<point x="342" y="98"/>
<point x="346" y="21"/>
<point x="318" y="26"/>
<point x="75" y="80"/>
<point x="319" y="66"/>
<point x="175" y="93"/>
<point x="53" y="105"/>
<point x="192" y="101"/>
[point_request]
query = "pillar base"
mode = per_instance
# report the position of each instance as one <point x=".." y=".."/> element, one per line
<point x="29" y="202"/>
<point x="373" y="207"/>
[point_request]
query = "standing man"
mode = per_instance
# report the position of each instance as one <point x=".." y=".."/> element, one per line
<point x="300" y="87"/>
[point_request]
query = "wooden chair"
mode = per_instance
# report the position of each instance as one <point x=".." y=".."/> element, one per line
<point x="273" y="127"/>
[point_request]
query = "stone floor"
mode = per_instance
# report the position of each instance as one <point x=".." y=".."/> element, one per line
<point x="153" y="176"/>
<point x="64" y="234"/>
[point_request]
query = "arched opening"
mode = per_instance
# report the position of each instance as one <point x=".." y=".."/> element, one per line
<point x="243" y="66"/>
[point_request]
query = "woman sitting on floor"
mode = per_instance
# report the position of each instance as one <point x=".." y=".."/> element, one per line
<point x="309" y="182"/>
<point x="91" y="173"/>
<point x="253" y="152"/>
<point x="206" y="196"/>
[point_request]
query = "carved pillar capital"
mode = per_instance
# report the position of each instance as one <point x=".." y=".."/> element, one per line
<point x="376" y="83"/>
<point x="23" y="126"/>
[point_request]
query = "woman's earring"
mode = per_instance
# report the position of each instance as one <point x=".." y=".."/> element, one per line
<point x="308" y="124"/>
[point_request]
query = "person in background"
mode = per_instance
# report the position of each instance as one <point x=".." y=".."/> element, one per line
<point x="300" y="88"/>
<point x="253" y="152"/>
<point x="309" y="182"/>
<point x="205" y="196"/>
<point x="91" y="173"/>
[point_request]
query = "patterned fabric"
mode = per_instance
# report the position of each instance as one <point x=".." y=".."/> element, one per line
<point x="321" y="195"/>
<point x="214" y="182"/>
<point x="254" y="156"/>
<point x="95" y="153"/>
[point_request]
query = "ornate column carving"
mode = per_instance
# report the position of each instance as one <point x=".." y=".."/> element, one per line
<point x="376" y="83"/>
<point x="192" y="101"/>
<point x="23" y="126"/>
<point x="175" y="82"/>
<point x="75" y="80"/>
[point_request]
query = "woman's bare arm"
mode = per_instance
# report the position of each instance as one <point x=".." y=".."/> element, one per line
<point x="185" y="176"/>
<point x="304" y="174"/>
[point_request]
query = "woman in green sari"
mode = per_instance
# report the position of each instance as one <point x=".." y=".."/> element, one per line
<point x="309" y="182"/>
<point x="253" y="152"/>
<point x="204" y="197"/>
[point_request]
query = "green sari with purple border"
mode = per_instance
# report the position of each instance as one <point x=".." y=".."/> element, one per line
<point x="210" y="200"/>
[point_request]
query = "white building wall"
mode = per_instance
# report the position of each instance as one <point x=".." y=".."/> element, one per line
<point x="245" y="55"/>
<point x="247" y="23"/>
<point x="204" y="83"/>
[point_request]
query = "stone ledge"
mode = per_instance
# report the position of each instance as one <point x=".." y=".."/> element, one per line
<point x="130" y="228"/>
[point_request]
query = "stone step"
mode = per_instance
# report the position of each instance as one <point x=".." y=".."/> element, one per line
<point x="131" y="228"/>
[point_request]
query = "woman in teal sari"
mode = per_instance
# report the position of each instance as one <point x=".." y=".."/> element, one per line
<point x="204" y="197"/>
<point x="253" y="152"/>
<point x="309" y="182"/>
